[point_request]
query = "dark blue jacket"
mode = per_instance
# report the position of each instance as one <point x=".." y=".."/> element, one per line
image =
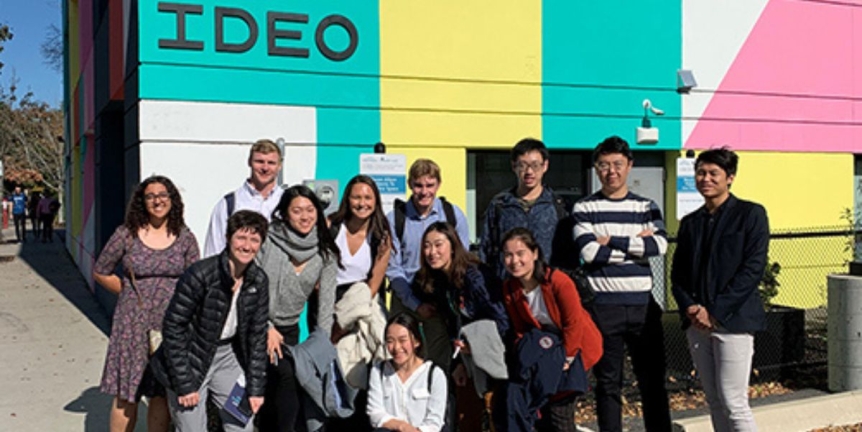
<point x="538" y="375"/>
<point x="735" y="262"/>
<point x="480" y="298"/>
<point x="505" y="211"/>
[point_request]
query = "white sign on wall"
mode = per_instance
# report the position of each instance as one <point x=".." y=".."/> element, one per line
<point x="688" y="199"/>
<point x="389" y="172"/>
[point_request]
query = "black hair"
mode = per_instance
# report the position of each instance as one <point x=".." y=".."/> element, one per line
<point x="378" y="225"/>
<point x="137" y="215"/>
<point x="527" y="145"/>
<point x="326" y="246"/>
<point x="613" y="144"/>
<point x="247" y="219"/>
<point x="412" y="325"/>
<point x="461" y="260"/>
<point x="526" y="236"/>
<point x="725" y="158"/>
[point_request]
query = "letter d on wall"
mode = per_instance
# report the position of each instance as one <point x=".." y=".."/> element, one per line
<point x="221" y="45"/>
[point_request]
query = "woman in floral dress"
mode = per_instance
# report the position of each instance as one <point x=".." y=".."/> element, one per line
<point x="155" y="247"/>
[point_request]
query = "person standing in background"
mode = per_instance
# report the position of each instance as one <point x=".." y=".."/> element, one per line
<point x="19" y="213"/>
<point x="33" y="213"/>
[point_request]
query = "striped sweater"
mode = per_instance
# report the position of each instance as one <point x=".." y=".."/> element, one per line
<point x="619" y="271"/>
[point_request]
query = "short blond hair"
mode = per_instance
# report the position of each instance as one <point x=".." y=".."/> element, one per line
<point x="265" y="146"/>
<point x="422" y="168"/>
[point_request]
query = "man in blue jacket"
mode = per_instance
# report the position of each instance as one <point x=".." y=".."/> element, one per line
<point x="19" y="210"/>
<point x="530" y="204"/>
<point x="717" y="267"/>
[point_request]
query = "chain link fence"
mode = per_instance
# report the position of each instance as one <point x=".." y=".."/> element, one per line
<point x="799" y="261"/>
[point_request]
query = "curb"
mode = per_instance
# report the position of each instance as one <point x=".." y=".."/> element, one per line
<point x="800" y="415"/>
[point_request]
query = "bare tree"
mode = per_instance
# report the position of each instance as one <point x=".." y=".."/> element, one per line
<point x="52" y="48"/>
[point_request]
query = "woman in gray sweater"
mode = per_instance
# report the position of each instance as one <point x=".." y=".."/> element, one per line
<point x="301" y="260"/>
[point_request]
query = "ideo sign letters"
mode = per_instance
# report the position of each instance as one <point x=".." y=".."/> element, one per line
<point x="273" y="34"/>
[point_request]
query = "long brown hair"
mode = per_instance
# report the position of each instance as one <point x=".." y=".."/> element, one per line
<point x="378" y="225"/>
<point x="461" y="260"/>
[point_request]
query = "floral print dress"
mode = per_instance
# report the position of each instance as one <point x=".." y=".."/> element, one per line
<point x="156" y="272"/>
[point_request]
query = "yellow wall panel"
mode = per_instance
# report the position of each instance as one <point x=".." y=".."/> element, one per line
<point x="444" y="40"/>
<point x="799" y="190"/>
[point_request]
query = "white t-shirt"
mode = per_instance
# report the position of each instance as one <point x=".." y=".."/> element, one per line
<point x="245" y="198"/>
<point x="538" y="306"/>
<point x="356" y="267"/>
<point x="229" y="329"/>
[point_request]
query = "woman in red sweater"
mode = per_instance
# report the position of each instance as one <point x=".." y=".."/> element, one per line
<point x="538" y="297"/>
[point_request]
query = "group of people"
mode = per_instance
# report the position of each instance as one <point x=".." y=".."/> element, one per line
<point x="41" y="209"/>
<point x="290" y="305"/>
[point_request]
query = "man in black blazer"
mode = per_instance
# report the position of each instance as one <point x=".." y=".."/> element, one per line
<point x="718" y="264"/>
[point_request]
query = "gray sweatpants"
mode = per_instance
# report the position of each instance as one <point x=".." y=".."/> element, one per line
<point x="723" y="361"/>
<point x="220" y="379"/>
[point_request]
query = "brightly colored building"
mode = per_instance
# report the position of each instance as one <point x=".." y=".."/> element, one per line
<point x="181" y="88"/>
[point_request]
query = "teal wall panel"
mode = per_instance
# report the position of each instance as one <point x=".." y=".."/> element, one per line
<point x="600" y="61"/>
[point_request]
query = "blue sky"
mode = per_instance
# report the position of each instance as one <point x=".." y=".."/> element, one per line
<point x="29" y="20"/>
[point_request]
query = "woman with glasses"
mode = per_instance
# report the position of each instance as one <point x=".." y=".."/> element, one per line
<point x="154" y="247"/>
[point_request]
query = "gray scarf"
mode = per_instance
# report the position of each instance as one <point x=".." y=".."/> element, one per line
<point x="297" y="247"/>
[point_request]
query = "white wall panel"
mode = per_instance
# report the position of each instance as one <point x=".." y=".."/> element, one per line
<point x="713" y="32"/>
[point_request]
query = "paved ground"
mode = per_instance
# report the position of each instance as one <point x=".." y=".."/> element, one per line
<point x="52" y="343"/>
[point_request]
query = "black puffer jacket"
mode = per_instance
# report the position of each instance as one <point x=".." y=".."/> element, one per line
<point x="194" y="321"/>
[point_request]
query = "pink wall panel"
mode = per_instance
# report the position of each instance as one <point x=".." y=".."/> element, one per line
<point x="85" y="18"/>
<point x="794" y="82"/>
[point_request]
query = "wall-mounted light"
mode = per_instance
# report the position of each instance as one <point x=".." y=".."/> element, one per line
<point x="646" y="134"/>
<point x="685" y="81"/>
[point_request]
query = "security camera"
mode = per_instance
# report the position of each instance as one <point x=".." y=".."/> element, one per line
<point x="648" y="106"/>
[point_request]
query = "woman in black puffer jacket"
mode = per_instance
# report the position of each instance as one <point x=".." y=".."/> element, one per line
<point x="215" y="330"/>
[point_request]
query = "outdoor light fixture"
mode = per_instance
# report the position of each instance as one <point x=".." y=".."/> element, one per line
<point x="646" y="134"/>
<point x="685" y="81"/>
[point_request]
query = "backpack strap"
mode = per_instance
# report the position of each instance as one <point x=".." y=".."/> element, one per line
<point x="230" y="200"/>
<point x="400" y="208"/>
<point x="449" y="211"/>
<point x="431" y="375"/>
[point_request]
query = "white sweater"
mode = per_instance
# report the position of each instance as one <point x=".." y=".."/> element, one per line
<point x="389" y="398"/>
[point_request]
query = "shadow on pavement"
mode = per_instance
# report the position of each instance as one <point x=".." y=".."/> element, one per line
<point x="95" y="405"/>
<point x="52" y="262"/>
<point x="97" y="408"/>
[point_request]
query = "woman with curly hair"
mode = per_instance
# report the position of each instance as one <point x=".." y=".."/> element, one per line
<point x="154" y="247"/>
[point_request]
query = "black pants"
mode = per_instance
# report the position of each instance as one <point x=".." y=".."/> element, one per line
<point x="34" y="223"/>
<point x="559" y="416"/>
<point x="639" y="328"/>
<point x="20" y="221"/>
<point x="282" y="406"/>
<point x="47" y="227"/>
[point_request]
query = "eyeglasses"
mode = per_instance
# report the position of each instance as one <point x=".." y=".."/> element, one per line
<point x="534" y="166"/>
<point x="162" y="196"/>
<point x="605" y="166"/>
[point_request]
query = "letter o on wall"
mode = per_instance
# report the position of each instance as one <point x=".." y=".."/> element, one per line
<point x="343" y="22"/>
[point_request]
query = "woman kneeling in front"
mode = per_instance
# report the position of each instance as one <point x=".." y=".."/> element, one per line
<point x="407" y="393"/>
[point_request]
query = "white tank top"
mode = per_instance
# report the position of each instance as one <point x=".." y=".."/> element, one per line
<point x="356" y="267"/>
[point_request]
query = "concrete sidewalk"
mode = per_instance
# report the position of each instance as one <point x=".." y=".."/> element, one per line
<point x="52" y="343"/>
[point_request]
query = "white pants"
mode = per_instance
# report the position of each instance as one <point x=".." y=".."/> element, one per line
<point x="220" y="379"/>
<point x="723" y="362"/>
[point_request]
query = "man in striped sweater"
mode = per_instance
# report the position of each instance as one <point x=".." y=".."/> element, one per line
<point x="616" y="232"/>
